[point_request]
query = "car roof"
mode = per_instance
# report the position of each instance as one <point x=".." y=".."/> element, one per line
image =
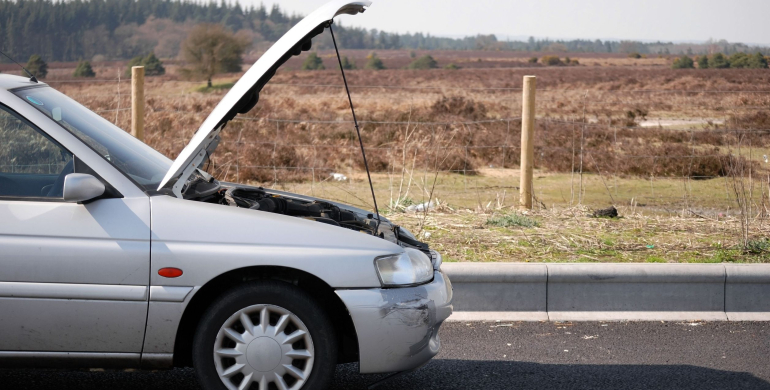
<point x="9" y="81"/>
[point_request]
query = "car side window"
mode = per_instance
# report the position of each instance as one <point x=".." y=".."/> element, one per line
<point x="32" y="165"/>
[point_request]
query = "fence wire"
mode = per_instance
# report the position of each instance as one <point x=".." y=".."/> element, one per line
<point x="656" y="151"/>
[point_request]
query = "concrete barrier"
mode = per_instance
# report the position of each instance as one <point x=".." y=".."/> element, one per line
<point x="747" y="292"/>
<point x="609" y="292"/>
<point x="505" y="291"/>
<point x="636" y="292"/>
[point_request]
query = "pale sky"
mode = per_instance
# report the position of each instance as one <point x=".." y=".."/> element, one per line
<point x="649" y="20"/>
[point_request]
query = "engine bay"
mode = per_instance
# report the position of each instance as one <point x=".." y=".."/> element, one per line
<point x="260" y="199"/>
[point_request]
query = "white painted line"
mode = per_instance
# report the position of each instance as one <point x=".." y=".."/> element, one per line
<point x="460" y="316"/>
<point x="637" y="316"/>
<point x="748" y="316"/>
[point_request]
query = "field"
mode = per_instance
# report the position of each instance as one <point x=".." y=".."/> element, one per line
<point x="681" y="153"/>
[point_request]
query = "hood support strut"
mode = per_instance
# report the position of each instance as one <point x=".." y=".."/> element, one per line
<point x="355" y="122"/>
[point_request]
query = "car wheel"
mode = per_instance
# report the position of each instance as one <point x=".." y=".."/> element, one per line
<point x="265" y="335"/>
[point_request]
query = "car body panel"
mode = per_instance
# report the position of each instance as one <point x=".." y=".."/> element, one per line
<point x="163" y="320"/>
<point x="259" y="72"/>
<point x="93" y="259"/>
<point x="206" y="240"/>
<point x="73" y="325"/>
<point x="398" y="328"/>
<point x="75" y="276"/>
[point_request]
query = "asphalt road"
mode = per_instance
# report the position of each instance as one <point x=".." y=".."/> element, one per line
<point x="639" y="355"/>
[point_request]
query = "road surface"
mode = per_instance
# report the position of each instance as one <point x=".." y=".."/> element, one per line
<point x="564" y="356"/>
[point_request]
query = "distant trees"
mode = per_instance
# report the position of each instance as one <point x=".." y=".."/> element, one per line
<point x="551" y="61"/>
<point x="424" y="62"/>
<point x="313" y="62"/>
<point x="758" y="61"/>
<point x="84" y="70"/>
<point x="737" y="60"/>
<point x="752" y="61"/>
<point x="719" y="61"/>
<point x="152" y="65"/>
<point x="556" y="61"/>
<point x="211" y="49"/>
<point x="123" y="29"/>
<point x="703" y="62"/>
<point x="373" y="62"/>
<point x="683" y="62"/>
<point x="347" y="64"/>
<point x="36" y="66"/>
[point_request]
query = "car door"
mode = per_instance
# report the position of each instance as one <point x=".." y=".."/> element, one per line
<point x="73" y="277"/>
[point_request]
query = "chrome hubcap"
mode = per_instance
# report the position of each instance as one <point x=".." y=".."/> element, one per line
<point x="263" y="344"/>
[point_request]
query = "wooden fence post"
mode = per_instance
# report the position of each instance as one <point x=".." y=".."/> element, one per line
<point x="527" y="141"/>
<point x="137" y="102"/>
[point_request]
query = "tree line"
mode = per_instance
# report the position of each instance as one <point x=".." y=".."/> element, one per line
<point x="721" y="61"/>
<point x="122" y="29"/>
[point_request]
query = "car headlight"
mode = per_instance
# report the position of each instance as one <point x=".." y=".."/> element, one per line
<point x="409" y="268"/>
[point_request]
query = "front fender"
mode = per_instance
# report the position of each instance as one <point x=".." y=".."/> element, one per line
<point x="207" y="240"/>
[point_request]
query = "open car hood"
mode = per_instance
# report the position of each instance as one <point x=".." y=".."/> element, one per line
<point x="245" y="93"/>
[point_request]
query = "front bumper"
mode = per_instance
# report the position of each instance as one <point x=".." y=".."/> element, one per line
<point x="397" y="328"/>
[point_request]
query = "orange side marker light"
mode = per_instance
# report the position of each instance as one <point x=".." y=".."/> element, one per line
<point x="170" y="272"/>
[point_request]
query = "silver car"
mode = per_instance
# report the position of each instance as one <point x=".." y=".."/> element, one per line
<point x="113" y="256"/>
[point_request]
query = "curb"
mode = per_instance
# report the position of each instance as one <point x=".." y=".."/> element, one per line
<point x="609" y="292"/>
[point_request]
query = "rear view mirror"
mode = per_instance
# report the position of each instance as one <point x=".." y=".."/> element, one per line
<point x="80" y="187"/>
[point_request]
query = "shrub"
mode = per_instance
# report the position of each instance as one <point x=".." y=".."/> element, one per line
<point x="739" y="60"/>
<point x="152" y="65"/>
<point x="37" y="66"/>
<point x="346" y="64"/>
<point x="551" y="61"/>
<point x="533" y="60"/>
<point x="84" y="70"/>
<point x="634" y="55"/>
<point x="374" y="62"/>
<point x="703" y="62"/>
<point x="313" y="62"/>
<point x="424" y="62"/>
<point x="511" y="220"/>
<point x="758" y="61"/>
<point x="452" y="66"/>
<point x="719" y="61"/>
<point x="574" y="62"/>
<point x="683" y="62"/>
<point x="758" y="246"/>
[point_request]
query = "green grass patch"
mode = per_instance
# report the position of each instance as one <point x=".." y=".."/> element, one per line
<point x="655" y="259"/>
<point x="512" y="220"/>
<point x="724" y="256"/>
<point x="758" y="246"/>
<point x="214" y="87"/>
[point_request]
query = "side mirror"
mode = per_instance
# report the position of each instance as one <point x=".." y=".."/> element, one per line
<point x="80" y="187"/>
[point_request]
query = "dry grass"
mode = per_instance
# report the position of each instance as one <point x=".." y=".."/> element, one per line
<point x="569" y="235"/>
<point x="648" y="173"/>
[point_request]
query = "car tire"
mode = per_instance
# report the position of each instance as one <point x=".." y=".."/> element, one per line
<point x="216" y="353"/>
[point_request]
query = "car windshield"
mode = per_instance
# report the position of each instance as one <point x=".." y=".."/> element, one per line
<point x="143" y="164"/>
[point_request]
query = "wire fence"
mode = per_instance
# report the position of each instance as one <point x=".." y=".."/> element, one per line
<point x="656" y="151"/>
